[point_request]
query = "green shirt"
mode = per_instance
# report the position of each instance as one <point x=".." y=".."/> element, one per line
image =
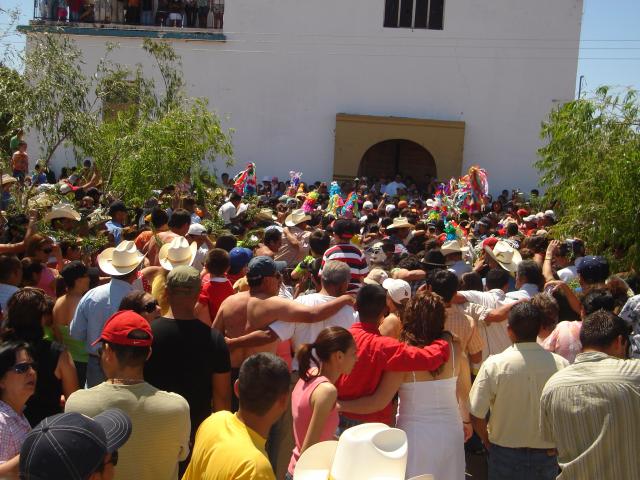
<point x="13" y="143"/>
<point x="75" y="347"/>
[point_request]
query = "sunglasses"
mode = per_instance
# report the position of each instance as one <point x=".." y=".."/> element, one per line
<point x="23" y="367"/>
<point x="151" y="306"/>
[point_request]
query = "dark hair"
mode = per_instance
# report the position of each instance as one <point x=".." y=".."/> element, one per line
<point x="532" y="272"/>
<point x="445" y="284"/>
<point x="35" y="243"/>
<point x="8" y="353"/>
<point x="30" y="268"/>
<point x="9" y="264"/>
<point x="344" y="228"/>
<point x="410" y="262"/>
<point x="329" y="340"/>
<point x="131" y="356"/>
<point x="549" y="309"/>
<point x="263" y="379"/>
<point x="319" y="242"/>
<point x="235" y="197"/>
<point x="25" y="310"/>
<point x="601" y="328"/>
<point x="371" y="303"/>
<point x="598" y="299"/>
<point x="133" y="301"/>
<point x="524" y="320"/>
<point x="179" y="218"/>
<point x="226" y="242"/>
<point x="471" y="281"/>
<point x="512" y="229"/>
<point x="497" y="278"/>
<point x="159" y="217"/>
<point x="217" y="261"/>
<point x="423" y="319"/>
<point x="72" y="271"/>
<point x="538" y="243"/>
<point x="271" y="235"/>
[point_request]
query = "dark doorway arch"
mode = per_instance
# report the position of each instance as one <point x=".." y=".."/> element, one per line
<point x="391" y="157"/>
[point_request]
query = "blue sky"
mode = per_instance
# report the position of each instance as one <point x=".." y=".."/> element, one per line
<point x="610" y="45"/>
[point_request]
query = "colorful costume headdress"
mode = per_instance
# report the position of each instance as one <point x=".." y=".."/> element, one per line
<point x="244" y="183"/>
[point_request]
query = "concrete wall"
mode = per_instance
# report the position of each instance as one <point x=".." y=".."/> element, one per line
<point x="289" y="66"/>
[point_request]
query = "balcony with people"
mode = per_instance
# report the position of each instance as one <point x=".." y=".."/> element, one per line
<point x="200" y="19"/>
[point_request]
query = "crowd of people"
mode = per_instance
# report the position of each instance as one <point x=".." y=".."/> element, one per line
<point x="169" y="351"/>
<point x="174" y="13"/>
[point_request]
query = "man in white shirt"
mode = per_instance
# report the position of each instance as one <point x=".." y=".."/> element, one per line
<point x="10" y="278"/>
<point x="391" y="188"/>
<point x="335" y="280"/>
<point x="230" y="209"/>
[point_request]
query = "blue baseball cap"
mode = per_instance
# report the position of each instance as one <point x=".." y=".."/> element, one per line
<point x="239" y="258"/>
<point x="593" y="269"/>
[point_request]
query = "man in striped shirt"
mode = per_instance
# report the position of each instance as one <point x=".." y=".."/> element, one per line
<point x="591" y="409"/>
<point x="344" y="251"/>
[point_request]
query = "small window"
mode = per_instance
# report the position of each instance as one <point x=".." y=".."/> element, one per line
<point x="421" y="14"/>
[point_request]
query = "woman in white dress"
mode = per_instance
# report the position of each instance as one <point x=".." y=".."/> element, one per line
<point x="433" y="406"/>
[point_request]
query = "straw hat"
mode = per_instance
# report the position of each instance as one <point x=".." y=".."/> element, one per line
<point x="97" y="217"/>
<point x="452" y="246"/>
<point x="400" y="222"/>
<point x="365" y="452"/>
<point x="296" y="217"/>
<point x="265" y="215"/>
<point x="62" y="210"/>
<point x="177" y="252"/>
<point x="7" y="179"/>
<point x="376" y="276"/>
<point x="121" y="260"/>
<point x="506" y="256"/>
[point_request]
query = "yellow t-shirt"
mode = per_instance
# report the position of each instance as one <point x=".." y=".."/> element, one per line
<point x="226" y="448"/>
<point x="158" y="287"/>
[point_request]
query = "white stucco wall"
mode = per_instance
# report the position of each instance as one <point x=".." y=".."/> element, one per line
<point x="288" y="66"/>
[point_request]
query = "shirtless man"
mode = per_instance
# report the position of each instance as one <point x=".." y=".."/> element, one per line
<point x="271" y="243"/>
<point x="179" y="223"/>
<point x="20" y="162"/>
<point x="246" y="312"/>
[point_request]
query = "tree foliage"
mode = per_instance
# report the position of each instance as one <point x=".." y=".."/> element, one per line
<point x="141" y="135"/>
<point x="12" y="91"/>
<point x="590" y="168"/>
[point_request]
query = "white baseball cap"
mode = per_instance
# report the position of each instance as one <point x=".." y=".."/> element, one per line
<point x="390" y="208"/>
<point x="398" y="290"/>
<point x="367" y="205"/>
<point x="196" y="230"/>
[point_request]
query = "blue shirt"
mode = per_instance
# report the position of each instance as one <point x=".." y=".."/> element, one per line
<point x="94" y="309"/>
<point x="115" y="229"/>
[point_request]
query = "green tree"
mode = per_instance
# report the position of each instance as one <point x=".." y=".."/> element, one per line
<point x="12" y="92"/>
<point x="590" y="167"/>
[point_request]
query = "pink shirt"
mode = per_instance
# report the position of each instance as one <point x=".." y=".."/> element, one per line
<point x="565" y="340"/>
<point x="302" y="411"/>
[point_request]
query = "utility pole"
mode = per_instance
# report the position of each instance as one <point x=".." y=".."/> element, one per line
<point x="580" y="87"/>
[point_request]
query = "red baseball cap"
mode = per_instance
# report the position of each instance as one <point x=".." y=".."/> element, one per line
<point x="522" y="212"/>
<point x="120" y="325"/>
<point x="490" y="242"/>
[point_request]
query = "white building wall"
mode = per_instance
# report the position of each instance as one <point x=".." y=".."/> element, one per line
<point x="288" y="66"/>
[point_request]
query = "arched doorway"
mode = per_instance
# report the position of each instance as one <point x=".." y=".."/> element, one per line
<point x="391" y="157"/>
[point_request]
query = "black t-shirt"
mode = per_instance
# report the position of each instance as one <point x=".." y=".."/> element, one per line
<point x="185" y="354"/>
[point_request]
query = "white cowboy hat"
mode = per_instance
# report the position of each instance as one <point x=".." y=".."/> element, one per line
<point x="121" y="260"/>
<point x="452" y="246"/>
<point x="371" y="451"/>
<point x="400" y="222"/>
<point x="296" y="217"/>
<point x="506" y="256"/>
<point x="7" y="179"/>
<point x="177" y="252"/>
<point x="62" y="210"/>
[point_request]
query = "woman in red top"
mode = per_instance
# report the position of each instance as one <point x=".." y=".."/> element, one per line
<point x="313" y="400"/>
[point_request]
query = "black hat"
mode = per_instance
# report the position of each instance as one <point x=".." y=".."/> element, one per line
<point x="72" y="446"/>
<point x="263" y="266"/>
<point x="593" y="269"/>
<point x="434" y="258"/>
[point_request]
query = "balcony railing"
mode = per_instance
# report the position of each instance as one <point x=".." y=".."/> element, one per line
<point x="192" y="14"/>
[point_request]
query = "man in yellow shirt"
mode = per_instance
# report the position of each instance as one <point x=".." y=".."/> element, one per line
<point x="233" y="445"/>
